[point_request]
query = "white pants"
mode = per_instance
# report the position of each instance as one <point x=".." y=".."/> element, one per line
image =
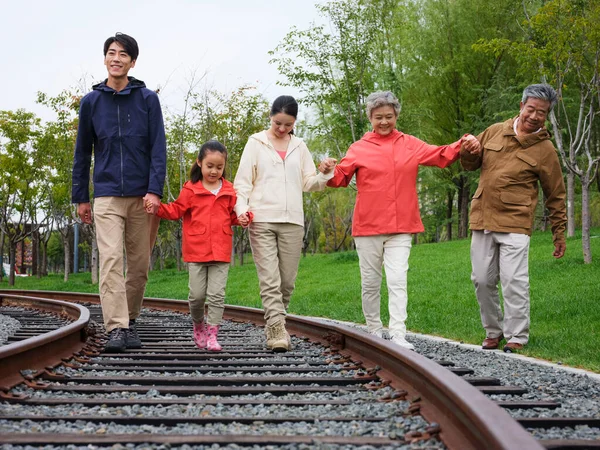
<point x="502" y="257"/>
<point x="391" y="251"/>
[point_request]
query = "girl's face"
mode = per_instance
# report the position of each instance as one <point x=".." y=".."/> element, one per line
<point x="282" y="124"/>
<point x="212" y="166"/>
<point x="383" y="120"/>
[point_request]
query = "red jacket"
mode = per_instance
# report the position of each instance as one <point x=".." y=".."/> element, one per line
<point x="207" y="221"/>
<point x="386" y="169"/>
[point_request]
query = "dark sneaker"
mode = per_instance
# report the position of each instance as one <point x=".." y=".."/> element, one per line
<point x="117" y="341"/>
<point x="133" y="338"/>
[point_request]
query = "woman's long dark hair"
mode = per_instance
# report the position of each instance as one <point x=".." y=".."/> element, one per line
<point x="210" y="146"/>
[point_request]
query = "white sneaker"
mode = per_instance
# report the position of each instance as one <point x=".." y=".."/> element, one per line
<point x="402" y="342"/>
<point x="378" y="333"/>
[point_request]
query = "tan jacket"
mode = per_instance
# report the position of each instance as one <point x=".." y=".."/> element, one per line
<point x="270" y="187"/>
<point x="511" y="167"/>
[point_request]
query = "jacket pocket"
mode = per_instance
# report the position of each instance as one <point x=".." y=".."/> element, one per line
<point x="197" y="228"/>
<point x="493" y="146"/>
<point x="527" y="159"/>
<point x="516" y="210"/>
<point x="475" y="215"/>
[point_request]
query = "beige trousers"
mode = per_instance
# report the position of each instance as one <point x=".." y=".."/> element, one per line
<point x="276" y="248"/>
<point x="502" y="257"/>
<point x="207" y="285"/>
<point x="121" y="222"/>
<point x="391" y="251"/>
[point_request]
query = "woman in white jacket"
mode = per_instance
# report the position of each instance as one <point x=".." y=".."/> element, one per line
<point x="275" y="168"/>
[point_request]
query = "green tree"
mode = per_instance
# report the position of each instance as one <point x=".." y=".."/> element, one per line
<point x="562" y="47"/>
<point x="23" y="179"/>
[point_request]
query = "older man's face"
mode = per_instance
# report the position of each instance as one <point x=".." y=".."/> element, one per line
<point x="533" y="114"/>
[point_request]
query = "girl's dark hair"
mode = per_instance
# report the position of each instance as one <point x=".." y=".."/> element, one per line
<point x="127" y="42"/>
<point x="285" y="104"/>
<point x="210" y="146"/>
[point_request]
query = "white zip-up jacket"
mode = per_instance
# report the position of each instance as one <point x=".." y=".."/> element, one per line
<point x="270" y="187"/>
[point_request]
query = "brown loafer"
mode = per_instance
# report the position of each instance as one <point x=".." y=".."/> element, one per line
<point x="512" y="347"/>
<point x="491" y="343"/>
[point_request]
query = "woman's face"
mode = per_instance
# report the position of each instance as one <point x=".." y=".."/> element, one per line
<point x="282" y="124"/>
<point x="383" y="120"/>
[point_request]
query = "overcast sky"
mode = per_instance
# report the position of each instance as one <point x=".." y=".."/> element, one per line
<point x="50" y="46"/>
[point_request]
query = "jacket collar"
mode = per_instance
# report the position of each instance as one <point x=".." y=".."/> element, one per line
<point x="377" y="139"/>
<point x="134" y="83"/>
<point x="264" y="140"/>
<point x="526" y="140"/>
<point x="199" y="189"/>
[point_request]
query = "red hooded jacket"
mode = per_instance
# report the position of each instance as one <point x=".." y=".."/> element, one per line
<point x="207" y="221"/>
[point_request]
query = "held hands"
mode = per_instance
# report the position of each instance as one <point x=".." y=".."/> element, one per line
<point x="244" y="219"/>
<point x="327" y="165"/>
<point x="471" y="144"/>
<point x="559" y="249"/>
<point x="151" y="203"/>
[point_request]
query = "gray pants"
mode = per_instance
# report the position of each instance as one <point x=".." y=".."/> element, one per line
<point x="502" y="257"/>
<point x="276" y="248"/>
<point x="207" y="286"/>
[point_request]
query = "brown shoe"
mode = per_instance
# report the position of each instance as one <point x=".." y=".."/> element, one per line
<point x="512" y="347"/>
<point x="491" y="343"/>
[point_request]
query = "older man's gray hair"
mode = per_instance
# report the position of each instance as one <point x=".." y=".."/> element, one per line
<point x="541" y="91"/>
<point x="382" y="98"/>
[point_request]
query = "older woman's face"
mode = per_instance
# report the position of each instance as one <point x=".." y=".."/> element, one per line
<point x="383" y="120"/>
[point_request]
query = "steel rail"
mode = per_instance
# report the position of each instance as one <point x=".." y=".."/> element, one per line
<point x="468" y="419"/>
<point x="39" y="351"/>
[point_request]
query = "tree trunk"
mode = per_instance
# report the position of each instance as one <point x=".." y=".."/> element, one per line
<point x="178" y="251"/>
<point x="449" y="212"/>
<point x="464" y="195"/>
<point x="67" y="248"/>
<point x="1" y="254"/>
<point x="570" y="204"/>
<point x="94" y="259"/>
<point x="585" y="220"/>
<point x="43" y="259"/>
<point x="12" y="258"/>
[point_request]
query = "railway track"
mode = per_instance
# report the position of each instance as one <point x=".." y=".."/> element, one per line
<point x="337" y="388"/>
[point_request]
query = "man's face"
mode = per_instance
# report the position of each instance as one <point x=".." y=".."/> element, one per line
<point x="533" y="114"/>
<point x="117" y="61"/>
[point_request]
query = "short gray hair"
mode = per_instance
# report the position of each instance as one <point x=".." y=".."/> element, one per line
<point x="541" y="91"/>
<point x="382" y="98"/>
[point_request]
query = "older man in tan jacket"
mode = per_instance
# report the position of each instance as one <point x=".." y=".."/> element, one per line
<point x="516" y="157"/>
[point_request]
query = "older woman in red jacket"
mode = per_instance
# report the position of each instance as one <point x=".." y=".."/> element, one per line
<point x="386" y="163"/>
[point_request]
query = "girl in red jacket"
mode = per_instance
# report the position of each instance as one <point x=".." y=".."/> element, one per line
<point x="206" y="204"/>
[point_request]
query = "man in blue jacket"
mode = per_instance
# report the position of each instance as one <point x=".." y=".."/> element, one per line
<point x="121" y="123"/>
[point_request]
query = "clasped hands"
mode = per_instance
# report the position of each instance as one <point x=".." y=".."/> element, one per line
<point x="327" y="165"/>
<point x="471" y="144"/>
<point x="151" y="203"/>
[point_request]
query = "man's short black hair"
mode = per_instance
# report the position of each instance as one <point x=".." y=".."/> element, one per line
<point x="129" y="44"/>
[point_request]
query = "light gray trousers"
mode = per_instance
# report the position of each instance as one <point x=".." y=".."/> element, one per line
<point x="502" y="257"/>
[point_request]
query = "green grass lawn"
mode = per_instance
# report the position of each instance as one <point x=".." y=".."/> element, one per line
<point x="565" y="294"/>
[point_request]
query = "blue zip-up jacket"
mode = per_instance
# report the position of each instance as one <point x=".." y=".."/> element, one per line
<point x="126" y="132"/>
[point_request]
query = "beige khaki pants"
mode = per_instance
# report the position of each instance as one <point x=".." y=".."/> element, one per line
<point x="276" y="248"/>
<point x="121" y="222"/>
<point x="391" y="251"/>
<point x="502" y="257"/>
<point x="207" y="285"/>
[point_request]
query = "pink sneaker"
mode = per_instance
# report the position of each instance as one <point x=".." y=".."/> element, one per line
<point x="200" y="334"/>
<point x="212" y="344"/>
